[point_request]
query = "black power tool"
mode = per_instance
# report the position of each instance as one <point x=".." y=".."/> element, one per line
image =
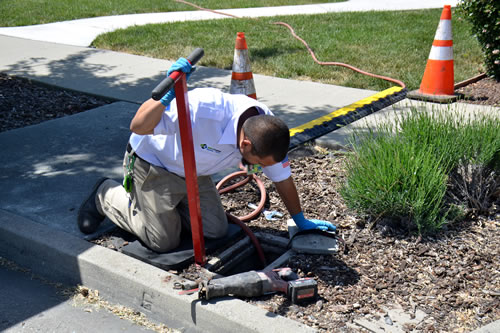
<point x="258" y="283"/>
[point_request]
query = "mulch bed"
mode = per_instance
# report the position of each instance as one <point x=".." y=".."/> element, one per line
<point x="24" y="103"/>
<point x="485" y="91"/>
<point x="453" y="276"/>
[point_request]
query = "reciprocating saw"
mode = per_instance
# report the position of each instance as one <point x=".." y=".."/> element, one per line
<point x="258" y="283"/>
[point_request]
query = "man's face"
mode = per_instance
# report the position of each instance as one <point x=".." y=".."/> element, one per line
<point x="249" y="158"/>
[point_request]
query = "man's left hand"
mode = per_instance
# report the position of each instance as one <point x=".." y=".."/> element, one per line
<point x="305" y="224"/>
<point x="322" y="225"/>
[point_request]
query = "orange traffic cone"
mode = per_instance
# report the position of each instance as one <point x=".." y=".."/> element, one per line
<point x="242" y="77"/>
<point x="438" y="80"/>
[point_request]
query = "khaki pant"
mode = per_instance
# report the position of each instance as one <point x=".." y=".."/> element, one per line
<point x="157" y="207"/>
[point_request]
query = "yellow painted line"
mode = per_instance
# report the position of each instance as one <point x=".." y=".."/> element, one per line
<point x="345" y="110"/>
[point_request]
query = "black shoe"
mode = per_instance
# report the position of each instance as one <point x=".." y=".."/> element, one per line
<point x="89" y="217"/>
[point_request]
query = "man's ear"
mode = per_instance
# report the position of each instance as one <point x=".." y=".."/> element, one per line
<point x="246" y="143"/>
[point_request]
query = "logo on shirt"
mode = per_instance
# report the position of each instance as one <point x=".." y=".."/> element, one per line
<point x="253" y="168"/>
<point x="285" y="163"/>
<point x="210" y="149"/>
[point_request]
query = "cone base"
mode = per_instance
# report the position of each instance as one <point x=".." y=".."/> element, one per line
<point x="418" y="95"/>
<point x="438" y="78"/>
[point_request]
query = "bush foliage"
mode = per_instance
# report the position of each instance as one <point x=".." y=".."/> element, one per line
<point x="418" y="170"/>
<point x="485" y="18"/>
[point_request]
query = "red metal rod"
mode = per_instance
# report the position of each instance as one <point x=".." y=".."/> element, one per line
<point x="190" y="170"/>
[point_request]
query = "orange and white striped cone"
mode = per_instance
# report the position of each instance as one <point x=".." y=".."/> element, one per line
<point x="438" y="81"/>
<point x="242" y="77"/>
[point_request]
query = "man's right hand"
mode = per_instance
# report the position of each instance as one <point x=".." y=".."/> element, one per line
<point x="183" y="65"/>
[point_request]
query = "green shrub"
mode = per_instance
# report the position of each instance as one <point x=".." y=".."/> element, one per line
<point x="420" y="168"/>
<point x="485" y="18"/>
<point x="392" y="177"/>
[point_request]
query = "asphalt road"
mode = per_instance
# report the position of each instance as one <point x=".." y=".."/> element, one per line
<point x="29" y="305"/>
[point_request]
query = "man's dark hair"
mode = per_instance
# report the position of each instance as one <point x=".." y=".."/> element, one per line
<point x="269" y="135"/>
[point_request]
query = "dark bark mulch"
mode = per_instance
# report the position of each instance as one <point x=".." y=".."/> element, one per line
<point x="24" y="103"/>
<point x="452" y="276"/>
<point x="485" y="92"/>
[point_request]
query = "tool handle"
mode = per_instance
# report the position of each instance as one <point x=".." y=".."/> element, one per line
<point x="167" y="83"/>
<point x="195" y="56"/>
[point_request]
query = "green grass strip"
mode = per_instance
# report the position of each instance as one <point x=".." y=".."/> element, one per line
<point x="394" y="44"/>
<point x="29" y="12"/>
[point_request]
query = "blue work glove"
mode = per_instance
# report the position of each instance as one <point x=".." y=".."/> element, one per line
<point x="168" y="97"/>
<point x="183" y="65"/>
<point x="304" y="224"/>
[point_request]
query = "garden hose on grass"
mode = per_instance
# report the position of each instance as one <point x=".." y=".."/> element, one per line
<point x="311" y="52"/>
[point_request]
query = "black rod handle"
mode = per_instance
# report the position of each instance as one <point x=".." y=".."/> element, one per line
<point x="167" y="83"/>
<point x="195" y="56"/>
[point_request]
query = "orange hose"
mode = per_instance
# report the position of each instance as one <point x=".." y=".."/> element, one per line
<point x="398" y="82"/>
<point x="205" y="9"/>
<point x="311" y="52"/>
<point x="260" y="184"/>
<point x="255" y="213"/>
<point x="232" y="187"/>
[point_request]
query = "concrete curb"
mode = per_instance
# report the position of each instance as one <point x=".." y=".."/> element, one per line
<point x="64" y="258"/>
<point x="492" y="327"/>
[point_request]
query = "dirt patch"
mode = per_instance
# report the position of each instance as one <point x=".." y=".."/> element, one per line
<point x="485" y="92"/>
<point x="453" y="277"/>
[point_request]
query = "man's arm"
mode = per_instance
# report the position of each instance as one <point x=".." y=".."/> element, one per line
<point x="288" y="193"/>
<point x="147" y="117"/>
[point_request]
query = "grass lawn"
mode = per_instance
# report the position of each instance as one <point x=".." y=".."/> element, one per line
<point x="394" y="44"/>
<point x="28" y="12"/>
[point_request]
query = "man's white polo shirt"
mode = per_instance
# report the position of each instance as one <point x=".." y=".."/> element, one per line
<point x="214" y="121"/>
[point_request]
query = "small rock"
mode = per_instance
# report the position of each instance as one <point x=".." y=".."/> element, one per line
<point x="312" y="319"/>
<point x="319" y="305"/>
<point x="439" y="270"/>
<point x="341" y="309"/>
